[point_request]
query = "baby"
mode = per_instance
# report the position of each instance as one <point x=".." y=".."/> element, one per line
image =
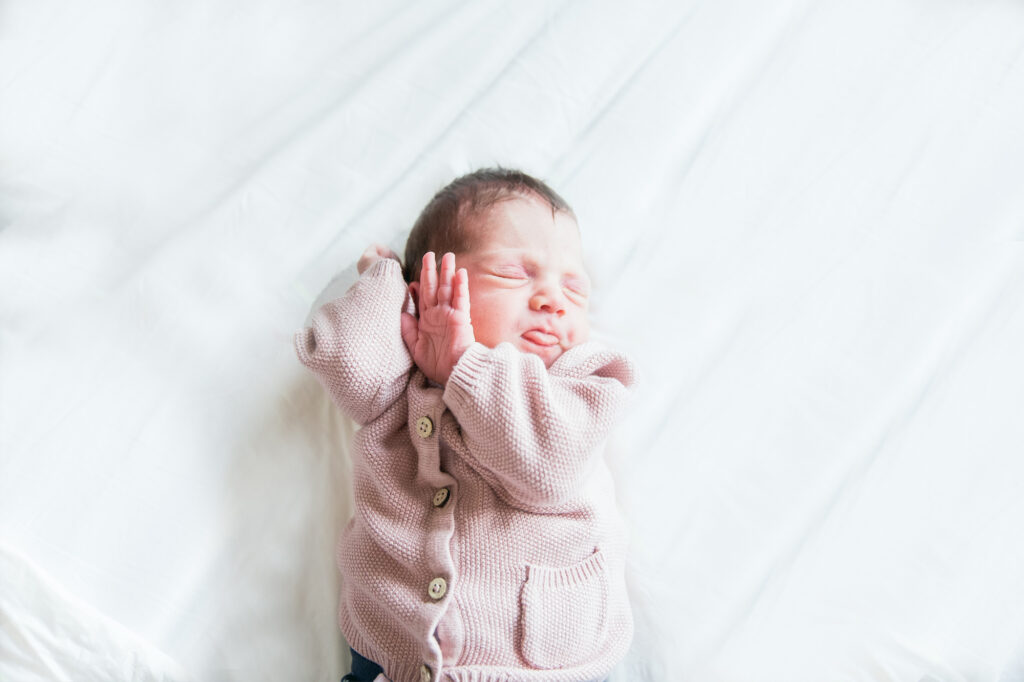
<point x="485" y="543"/>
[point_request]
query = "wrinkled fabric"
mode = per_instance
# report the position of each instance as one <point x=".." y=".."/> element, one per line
<point x="803" y="220"/>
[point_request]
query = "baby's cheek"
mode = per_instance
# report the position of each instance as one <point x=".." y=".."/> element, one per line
<point x="581" y="331"/>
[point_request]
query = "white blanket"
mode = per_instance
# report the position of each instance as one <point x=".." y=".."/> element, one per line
<point x="804" y="219"/>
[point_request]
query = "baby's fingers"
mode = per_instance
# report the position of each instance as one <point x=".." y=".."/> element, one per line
<point x="372" y="254"/>
<point x="460" y="291"/>
<point x="444" y="285"/>
<point x="428" y="281"/>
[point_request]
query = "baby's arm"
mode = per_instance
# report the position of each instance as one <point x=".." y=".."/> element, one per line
<point x="354" y="343"/>
<point x="535" y="432"/>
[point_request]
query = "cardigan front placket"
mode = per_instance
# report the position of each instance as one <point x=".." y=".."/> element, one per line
<point x="429" y="422"/>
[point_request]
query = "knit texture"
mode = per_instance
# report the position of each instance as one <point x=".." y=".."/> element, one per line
<point x="526" y="539"/>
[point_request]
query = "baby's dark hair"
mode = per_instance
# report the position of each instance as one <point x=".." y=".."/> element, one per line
<point x="442" y="225"/>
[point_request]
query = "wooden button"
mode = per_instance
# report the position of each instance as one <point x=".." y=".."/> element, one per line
<point x="438" y="586"/>
<point x="441" y="497"/>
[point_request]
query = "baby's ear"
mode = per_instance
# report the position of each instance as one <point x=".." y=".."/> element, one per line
<point x="413" y="303"/>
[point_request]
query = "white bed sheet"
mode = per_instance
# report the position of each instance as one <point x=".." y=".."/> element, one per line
<point x="804" y="219"/>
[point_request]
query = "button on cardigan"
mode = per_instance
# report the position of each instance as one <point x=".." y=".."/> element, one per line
<point x="515" y="572"/>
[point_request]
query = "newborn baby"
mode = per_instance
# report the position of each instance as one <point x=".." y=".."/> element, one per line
<point x="485" y="543"/>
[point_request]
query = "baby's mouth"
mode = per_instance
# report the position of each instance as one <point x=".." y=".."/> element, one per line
<point x="541" y="337"/>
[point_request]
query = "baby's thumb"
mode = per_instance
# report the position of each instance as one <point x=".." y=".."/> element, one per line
<point x="410" y="331"/>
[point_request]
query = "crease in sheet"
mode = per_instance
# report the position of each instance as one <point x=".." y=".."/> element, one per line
<point x="47" y="634"/>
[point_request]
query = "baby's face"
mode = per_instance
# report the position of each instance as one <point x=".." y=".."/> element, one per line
<point x="527" y="283"/>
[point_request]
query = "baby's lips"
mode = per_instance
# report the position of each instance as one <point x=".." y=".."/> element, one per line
<point x="541" y="338"/>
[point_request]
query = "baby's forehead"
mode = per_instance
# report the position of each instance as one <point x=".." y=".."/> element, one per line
<point x="516" y="219"/>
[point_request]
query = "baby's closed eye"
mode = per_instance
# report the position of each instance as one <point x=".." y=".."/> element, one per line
<point x="510" y="272"/>
<point x="577" y="287"/>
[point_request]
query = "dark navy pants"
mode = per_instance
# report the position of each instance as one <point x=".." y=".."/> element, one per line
<point x="363" y="669"/>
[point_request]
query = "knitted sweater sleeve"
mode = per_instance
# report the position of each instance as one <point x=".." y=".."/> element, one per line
<point x="354" y="343"/>
<point x="534" y="432"/>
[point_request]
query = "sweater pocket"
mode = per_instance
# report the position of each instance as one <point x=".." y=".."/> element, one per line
<point x="564" y="613"/>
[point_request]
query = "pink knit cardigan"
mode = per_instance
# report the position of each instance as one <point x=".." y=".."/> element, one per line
<point x="485" y="543"/>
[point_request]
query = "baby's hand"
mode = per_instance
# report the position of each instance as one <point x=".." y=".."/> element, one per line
<point x="373" y="254"/>
<point x="443" y="331"/>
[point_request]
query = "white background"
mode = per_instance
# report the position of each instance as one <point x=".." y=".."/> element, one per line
<point x="804" y="219"/>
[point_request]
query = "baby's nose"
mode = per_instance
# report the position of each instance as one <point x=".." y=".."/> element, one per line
<point x="547" y="303"/>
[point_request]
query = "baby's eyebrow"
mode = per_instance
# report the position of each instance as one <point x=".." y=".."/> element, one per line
<point x="505" y="253"/>
<point x="510" y="257"/>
